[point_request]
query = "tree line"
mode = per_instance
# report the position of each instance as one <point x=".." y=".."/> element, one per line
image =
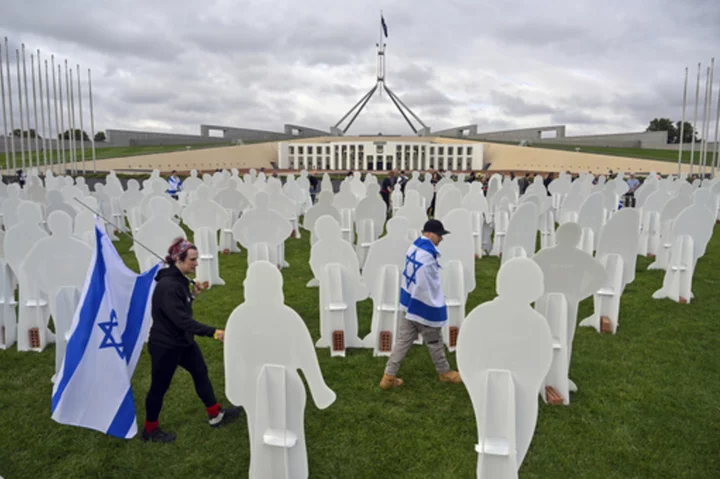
<point x="673" y="129"/>
<point x="80" y="135"/>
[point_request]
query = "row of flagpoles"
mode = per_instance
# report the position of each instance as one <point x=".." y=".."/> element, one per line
<point x="702" y="167"/>
<point x="46" y="131"/>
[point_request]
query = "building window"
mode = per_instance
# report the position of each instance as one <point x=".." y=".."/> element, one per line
<point x="441" y="150"/>
<point x="469" y="150"/>
<point x="450" y="150"/>
<point x="291" y="150"/>
<point x="300" y="150"/>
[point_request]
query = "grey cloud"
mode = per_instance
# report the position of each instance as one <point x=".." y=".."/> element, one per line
<point x="517" y="106"/>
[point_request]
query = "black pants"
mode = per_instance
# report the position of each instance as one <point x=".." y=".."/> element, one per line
<point x="164" y="363"/>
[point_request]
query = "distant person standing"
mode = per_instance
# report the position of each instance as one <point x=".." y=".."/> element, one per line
<point x="424" y="309"/>
<point x="386" y="187"/>
<point x="633" y="184"/>
<point x="21" y="178"/>
<point x="174" y="184"/>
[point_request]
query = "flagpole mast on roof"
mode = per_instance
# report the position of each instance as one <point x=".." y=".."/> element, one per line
<point x="380" y="85"/>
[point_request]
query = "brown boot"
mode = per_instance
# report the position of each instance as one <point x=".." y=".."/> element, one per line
<point x="451" y="377"/>
<point x="389" y="382"/>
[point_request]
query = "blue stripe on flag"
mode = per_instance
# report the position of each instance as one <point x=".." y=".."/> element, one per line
<point x="418" y="308"/>
<point x="125" y="417"/>
<point x="88" y="313"/>
<point x="426" y="245"/>
<point x="136" y="312"/>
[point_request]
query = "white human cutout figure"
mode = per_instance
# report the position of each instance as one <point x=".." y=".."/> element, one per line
<point x="57" y="262"/>
<point x="157" y="233"/>
<point x="36" y="191"/>
<point x="132" y="197"/>
<point x="11" y="206"/>
<point x="572" y="272"/>
<point x="234" y="202"/>
<point x="323" y="207"/>
<point x="616" y="251"/>
<point x="504" y="352"/>
<point x="71" y="191"/>
<point x="326" y="184"/>
<point x="266" y="343"/>
<point x="382" y="274"/>
<point x="425" y="191"/>
<point x="449" y="199"/>
<point x="56" y="202"/>
<point x="335" y="265"/>
<point x="521" y="232"/>
<point x="346" y="202"/>
<point x="159" y="190"/>
<point x="476" y="203"/>
<point x="113" y="186"/>
<point x="80" y="183"/>
<point x="205" y="217"/>
<point x="413" y="211"/>
<point x="32" y="333"/>
<point x="8" y="313"/>
<point x="261" y="231"/>
<point x="691" y="233"/>
<point x="592" y="215"/>
<point x="370" y="217"/>
<point x="85" y="221"/>
<point x="667" y="217"/>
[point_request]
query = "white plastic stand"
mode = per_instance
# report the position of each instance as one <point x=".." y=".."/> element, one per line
<point x="453" y="285"/>
<point x="262" y="357"/>
<point x="677" y="284"/>
<point x="502" y="221"/>
<point x="8" y="305"/>
<point x="587" y="239"/>
<point x="553" y="307"/>
<point x="503" y="370"/>
<point x="606" y="300"/>
<point x="547" y="230"/>
<point x="521" y="232"/>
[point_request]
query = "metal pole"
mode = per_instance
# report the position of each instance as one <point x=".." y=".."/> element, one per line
<point x="701" y="162"/>
<point x="12" y="120"/>
<point x="92" y="122"/>
<point x="22" y="124"/>
<point x="37" y="143"/>
<point x="69" y="128"/>
<point x="717" y="124"/>
<point x="49" y="120"/>
<point x="42" y="111"/>
<point x="61" y="139"/>
<point x="4" y="112"/>
<point x="694" y="130"/>
<point x="27" y="109"/>
<point x="82" y="128"/>
<point x="708" y="118"/>
<point x="74" y="135"/>
<point x="682" y="124"/>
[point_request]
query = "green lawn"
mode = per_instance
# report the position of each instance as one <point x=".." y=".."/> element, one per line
<point x="647" y="154"/>
<point x="648" y="405"/>
<point x="105" y="153"/>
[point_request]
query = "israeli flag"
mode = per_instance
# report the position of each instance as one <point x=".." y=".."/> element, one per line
<point x="110" y="325"/>
<point x="421" y="294"/>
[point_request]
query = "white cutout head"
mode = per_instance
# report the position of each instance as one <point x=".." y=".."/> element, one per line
<point x="203" y="192"/>
<point x="60" y="224"/>
<point x="29" y="213"/>
<point x="520" y="280"/>
<point x="160" y="208"/>
<point x="55" y="197"/>
<point x="325" y="198"/>
<point x="701" y="196"/>
<point x="264" y="284"/>
<point x="326" y="228"/>
<point x="261" y="201"/>
<point x="373" y="189"/>
<point x="158" y="187"/>
<point x="398" y="227"/>
<point x="133" y="185"/>
<point x="568" y="235"/>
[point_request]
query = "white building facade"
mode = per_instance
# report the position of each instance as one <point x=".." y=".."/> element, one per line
<point x="380" y="155"/>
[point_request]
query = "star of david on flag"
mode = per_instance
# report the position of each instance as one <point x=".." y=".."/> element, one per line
<point x="111" y="321"/>
<point x="411" y="263"/>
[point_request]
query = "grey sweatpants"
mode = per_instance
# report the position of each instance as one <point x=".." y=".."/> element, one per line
<point x="407" y="333"/>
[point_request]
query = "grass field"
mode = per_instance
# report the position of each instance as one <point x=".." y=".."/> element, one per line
<point x="648" y="404"/>
<point x="105" y="153"/>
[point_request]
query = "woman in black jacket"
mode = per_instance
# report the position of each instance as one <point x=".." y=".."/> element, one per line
<point x="172" y="341"/>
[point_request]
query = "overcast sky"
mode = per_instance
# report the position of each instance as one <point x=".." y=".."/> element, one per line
<point x="170" y="65"/>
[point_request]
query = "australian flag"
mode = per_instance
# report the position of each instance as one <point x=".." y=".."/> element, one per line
<point x="384" y="25"/>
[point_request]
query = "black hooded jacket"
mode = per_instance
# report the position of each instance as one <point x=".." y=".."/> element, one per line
<point x="173" y="325"/>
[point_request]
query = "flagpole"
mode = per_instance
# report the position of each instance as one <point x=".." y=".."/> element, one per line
<point x="74" y="134"/>
<point x="717" y="124"/>
<point x="12" y="120"/>
<point x="61" y="136"/>
<point x="682" y="124"/>
<point x="22" y="122"/>
<point x="49" y="120"/>
<point x="708" y="117"/>
<point x="27" y="109"/>
<point x="70" y="133"/>
<point x="82" y="128"/>
<point x="37" y="146"/>
<point x="42" y="111"/>
<point x="701" y="160"/>
<point x="92" y="122"/>
<point x="4" y="112"/>
<point x="694" y="132"/>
